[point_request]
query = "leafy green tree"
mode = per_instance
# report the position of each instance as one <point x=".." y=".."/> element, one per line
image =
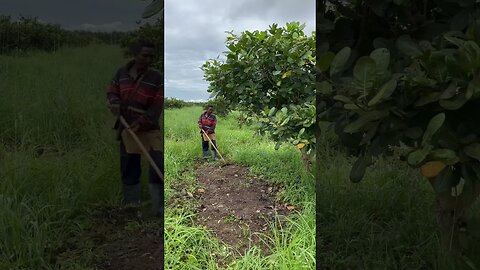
<point x="270" y="76"/>
<point x="401" y="72"/>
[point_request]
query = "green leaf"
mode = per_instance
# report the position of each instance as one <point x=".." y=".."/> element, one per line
<point x="426" y="99"/>
<point x="287" y="74"/>
<point x="447" y="156"/>
<point x="301" y="132"/>
<point x="343" y="99"/>
<point x="453" y="104"/>
<point x="324" y="88"/>
<point x="433" y="126"/>
<point x="385" y="92"/>
<point x="325" y="60"/>
<point x="364" y="74"/>
<point x="416" y="157"/>
<point x="408" y="46"/>
<point x="381" y="57"/>
<point x="450" y="92"/>
<point x="276" y="72"/>
<point x="364" y="119"/>
<point x="339" y="61"/>
<point x="272" y="112"/>
<point x="455" y="41"/>
<point x="473" y="150"/>
<point x="358" y="169"/>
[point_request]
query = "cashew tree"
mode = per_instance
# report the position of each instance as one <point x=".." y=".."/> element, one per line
<point x="270" y="76"/>
<point x="407" y="73"/>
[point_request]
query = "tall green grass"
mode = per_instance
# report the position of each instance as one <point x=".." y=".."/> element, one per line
<point x="57" y="152"/>
<point x="188" y="246"/>
<point x="387" y="221"/>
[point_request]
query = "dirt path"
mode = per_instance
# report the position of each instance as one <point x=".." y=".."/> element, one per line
<point x="237" y="205"/>
<point x="123" y="241"/>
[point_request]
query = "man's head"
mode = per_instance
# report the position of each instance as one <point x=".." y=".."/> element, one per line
<point x="209" y="109"/>
<point x="143" y="52"/>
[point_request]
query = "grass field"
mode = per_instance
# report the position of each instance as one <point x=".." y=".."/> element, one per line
<point x="57" y="152"/>
<point x="59" y="162"/>
<point x="387" y="221"/>
<point x="292" y="246"/>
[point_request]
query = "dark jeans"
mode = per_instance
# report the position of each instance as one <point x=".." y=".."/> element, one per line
<point x="206" y="143"/>
<point x="130" y="167"/>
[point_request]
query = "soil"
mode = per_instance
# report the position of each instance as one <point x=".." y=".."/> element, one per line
<point x="126" y="241"/>
<point x="237" y="206"/>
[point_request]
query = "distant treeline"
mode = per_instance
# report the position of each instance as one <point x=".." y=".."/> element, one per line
<point x="174" y="103"/>
<point x="27" y="33"/>
<point x="220" y="105"/>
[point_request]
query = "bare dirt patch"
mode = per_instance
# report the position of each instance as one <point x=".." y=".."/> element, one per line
<point x="125" y="241"/>
<point x="237" y="205"/>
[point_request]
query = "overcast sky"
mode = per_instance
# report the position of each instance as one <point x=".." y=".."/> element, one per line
<point x="195" y="32"/>
<point x="194" y="29"/>
<point x="97" y="15"/>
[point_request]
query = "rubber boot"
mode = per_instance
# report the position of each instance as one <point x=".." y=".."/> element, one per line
<point x="131" y="198"/>
<point x="205" y="154"/>
<point x="131" y="194"/>
<point x="156" y="197"/>
<point x="214" y="143"/>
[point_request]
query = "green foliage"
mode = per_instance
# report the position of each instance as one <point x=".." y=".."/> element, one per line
<point x="221" y="105"/>
<point x="270" y="76"/>
<point x="291" y="243"/>
<point x="152" y="32"/>
<point x="28" y="33"/>
<point x="171" y="103"/>
<point x="402" y="71"/>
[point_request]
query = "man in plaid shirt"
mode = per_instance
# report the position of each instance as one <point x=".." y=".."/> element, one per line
<point x="207" y="122"/>
<point x="136" y="93"/>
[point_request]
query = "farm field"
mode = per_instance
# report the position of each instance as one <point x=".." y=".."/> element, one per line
<point x="59" y="161"/>
<point x="60" y="189"/>
<point x="287" y="243"/>
<point x="387" y="221"/>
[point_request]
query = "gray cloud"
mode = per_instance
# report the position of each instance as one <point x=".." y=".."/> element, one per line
<point x="195" y="32"/>
<point x="76" y="14"/>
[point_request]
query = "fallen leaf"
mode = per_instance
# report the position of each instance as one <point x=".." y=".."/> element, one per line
<point x="189" y="194"/>
<point x="290" y="207"/>
<point x="300" y="145"/>
<point x="201" y="190"/>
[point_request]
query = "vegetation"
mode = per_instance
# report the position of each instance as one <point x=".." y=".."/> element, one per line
<point x="27" y="33"/>
<point x="403" y="77"/>
<point x="152" y="32"/>
<point x="56" y="155"/>
<point x="270" y="76"/>
<point x="188" y="246"/>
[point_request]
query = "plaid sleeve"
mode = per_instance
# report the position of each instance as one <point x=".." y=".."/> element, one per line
<point x="213" y="123"/>
<point x="113" y="92"/>
<point x="154" y="111"/>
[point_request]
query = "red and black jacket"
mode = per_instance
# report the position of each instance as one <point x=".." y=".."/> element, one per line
<point x="207" y="122"/>
<point x="138" y="98"/>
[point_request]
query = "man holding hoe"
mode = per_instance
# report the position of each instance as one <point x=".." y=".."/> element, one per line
<point x="207" y="123"/>
<point x="135" y="97"/>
